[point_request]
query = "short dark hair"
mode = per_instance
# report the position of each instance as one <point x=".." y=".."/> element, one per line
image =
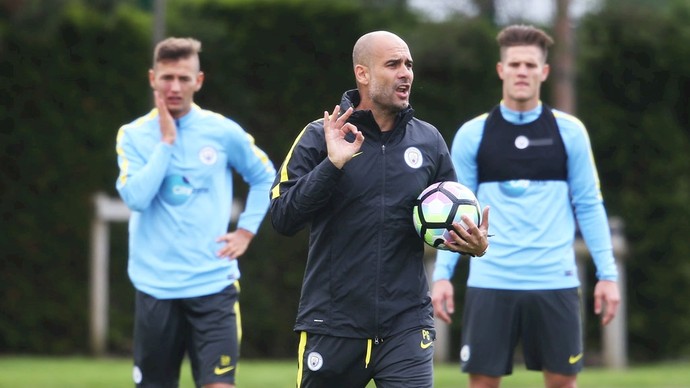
<point x="524" y="35"/>
<point x="172" y="49"/>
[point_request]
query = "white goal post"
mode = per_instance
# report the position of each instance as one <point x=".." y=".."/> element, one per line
<point x="107" y="210"/>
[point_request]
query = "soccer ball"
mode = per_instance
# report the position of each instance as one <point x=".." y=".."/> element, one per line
<point x="438" y="206"/>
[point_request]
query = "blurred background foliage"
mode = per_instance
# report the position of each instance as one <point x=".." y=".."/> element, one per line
<point x="73" y="71"/>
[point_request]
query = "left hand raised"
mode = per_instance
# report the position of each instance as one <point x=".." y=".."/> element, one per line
<point x="236" y="243"/>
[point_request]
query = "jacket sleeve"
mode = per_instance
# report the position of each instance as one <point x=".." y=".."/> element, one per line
<point x="305" y="182"/>
<point x="586" y="197"/>
<point x="140" y="175"/>
<point x="258" y="171"/>
<point x="445" y="169"/>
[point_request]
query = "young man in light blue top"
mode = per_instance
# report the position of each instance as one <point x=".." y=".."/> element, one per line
<point x="534" y="167"/>
<point x="176" y="175"/>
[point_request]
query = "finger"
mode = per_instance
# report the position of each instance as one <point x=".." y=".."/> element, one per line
<point x="450" y="305"/>
<point x="597" y="304"/>
<point x="343" y="118"/>
<point x="158" y="100"/>
<point x="334" y="116"/>
<point x="348" y="127"/>
<point x="440" y="311"/>
<point x="359" y="139"/>
<point x="160" y="104"/>
<point x="460" y="234"/>
<point x="468" y="221"/>
<point x="442" y="315"/>
<point x="485" y="219"/>
<point x="610" y="313"/>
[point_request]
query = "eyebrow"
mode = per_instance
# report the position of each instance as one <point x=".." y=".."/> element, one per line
<point x="398" y="60"/>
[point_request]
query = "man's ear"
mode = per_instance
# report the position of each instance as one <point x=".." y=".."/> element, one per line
<point x="362" y="74"/>
<point x="199" y="81"/>
<point x="152" y="78"/>
<point x="545" y="72"/>
<point x="499" y="70"/>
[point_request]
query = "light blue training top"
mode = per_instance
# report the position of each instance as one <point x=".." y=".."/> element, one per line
<point x="181" y="200"/>
<point x="533" y="223"/>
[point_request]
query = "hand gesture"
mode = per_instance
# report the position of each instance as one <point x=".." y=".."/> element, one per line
<point x="335" y="128"/>
<point x="473" y="240"/>
<point x="167" y="124"/>
<point x="236" y="243"/>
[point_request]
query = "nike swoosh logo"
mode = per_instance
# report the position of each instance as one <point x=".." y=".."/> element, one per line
<point x="425" y="345"/>
<point x="220" y="371"/>
<point x="574" y="359"/>
<point x="357" y="154"/>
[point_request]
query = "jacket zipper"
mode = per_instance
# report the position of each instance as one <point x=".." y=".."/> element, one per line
<point x="377" y="339"/>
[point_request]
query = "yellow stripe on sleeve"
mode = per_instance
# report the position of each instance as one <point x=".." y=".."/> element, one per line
<point x="275" y="192"/>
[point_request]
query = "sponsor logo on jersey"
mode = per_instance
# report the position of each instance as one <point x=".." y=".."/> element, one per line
<point x="176" y="190"/>
<point x="514" y="188"/>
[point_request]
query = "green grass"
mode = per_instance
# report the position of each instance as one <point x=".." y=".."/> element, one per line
<point x="76" y="372"/>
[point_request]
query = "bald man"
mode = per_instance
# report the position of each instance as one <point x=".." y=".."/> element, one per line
<point x="352" y="178"/>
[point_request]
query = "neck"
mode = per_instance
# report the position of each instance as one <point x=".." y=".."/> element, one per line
<point x="520" y="106"/>
<point x="384" y="118"/>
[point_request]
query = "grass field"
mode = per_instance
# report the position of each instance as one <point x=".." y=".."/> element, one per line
<point x="74" y="372"/>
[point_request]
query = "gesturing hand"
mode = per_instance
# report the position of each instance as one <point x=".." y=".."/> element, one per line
<point x="167" y="124"/>
<point x="335" y="128"/>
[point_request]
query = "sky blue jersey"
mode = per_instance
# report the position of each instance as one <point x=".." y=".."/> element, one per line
<point x="533" y="222"/>
<point x="181" y="200"/>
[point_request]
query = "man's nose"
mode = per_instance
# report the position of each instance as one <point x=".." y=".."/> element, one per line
<point x="405" y="72"/>
<point x="175" y="85"/>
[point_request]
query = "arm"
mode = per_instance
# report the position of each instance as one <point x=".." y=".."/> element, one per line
<point x="141" y="175"/>
<point x="442" y="292"/>
<point x="463" y="153"/>
<point x="591" y="216"/>
<point x="311" y="170"/>
<point x="257" y="170"/>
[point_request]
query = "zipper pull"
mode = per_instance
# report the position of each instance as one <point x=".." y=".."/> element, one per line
<point x="378" y="340"/>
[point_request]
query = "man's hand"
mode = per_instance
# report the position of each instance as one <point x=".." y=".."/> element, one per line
<point x="606" y="300"/>
<point x="335" y="128"/>
<point x="236" y="243"/>
<point x="442" y="299"/>
<point x="474" y="240"/>
<point x="167" y="124"/>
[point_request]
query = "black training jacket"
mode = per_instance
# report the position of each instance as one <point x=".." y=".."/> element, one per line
<point x="364" y="276"/>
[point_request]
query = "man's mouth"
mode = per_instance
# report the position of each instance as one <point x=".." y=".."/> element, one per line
<point x="403" y="90"/>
